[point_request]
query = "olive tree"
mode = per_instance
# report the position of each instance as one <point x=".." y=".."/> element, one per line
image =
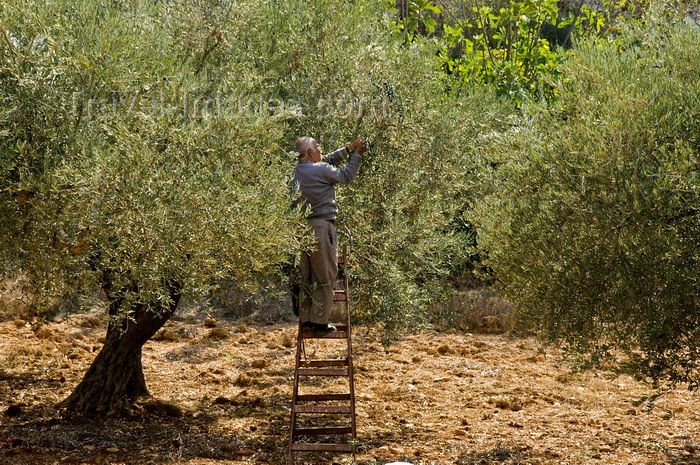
<point x="403" y="217"/>
<point x="114" y="178"/>
<point x="591" y="218"/>
<point x="145" y="155"/>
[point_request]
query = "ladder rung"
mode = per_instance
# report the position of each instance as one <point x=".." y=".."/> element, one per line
<point x="305" y="446"/>
<point x="323" y="372"/>
<point x="323" y="431"/>
<point x="340" y="409"/>
<point x="324" y="363"/>
<point x="320" y="397"/>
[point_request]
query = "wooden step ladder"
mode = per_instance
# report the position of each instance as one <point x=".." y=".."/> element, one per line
<point x="339" y="439"/>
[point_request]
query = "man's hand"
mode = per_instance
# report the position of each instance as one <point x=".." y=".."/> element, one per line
<point x="358" y="145"/>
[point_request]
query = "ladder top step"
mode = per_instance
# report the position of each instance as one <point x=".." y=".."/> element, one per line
<point x="324" y="372"/>
<point x="329" y="430"/>
<point x="339" y="409"/>
<point x="305" y="446"/>
<point x="323" y="363"/>
<point x="321" y="397"/>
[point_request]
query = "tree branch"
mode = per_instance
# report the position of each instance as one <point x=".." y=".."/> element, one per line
<point x="216" y="35"/>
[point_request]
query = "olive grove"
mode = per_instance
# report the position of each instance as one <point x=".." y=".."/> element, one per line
<point x="145" y="159"/>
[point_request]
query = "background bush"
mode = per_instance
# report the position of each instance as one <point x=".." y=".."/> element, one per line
<point x="591" y="222"/>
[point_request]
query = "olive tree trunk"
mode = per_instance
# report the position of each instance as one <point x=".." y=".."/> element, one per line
<point x="115" y="379"/>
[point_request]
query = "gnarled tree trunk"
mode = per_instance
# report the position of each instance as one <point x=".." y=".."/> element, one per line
<point x="115" y="379"/>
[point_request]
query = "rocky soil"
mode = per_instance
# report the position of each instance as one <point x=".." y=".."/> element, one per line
<point x="221" y="395"/>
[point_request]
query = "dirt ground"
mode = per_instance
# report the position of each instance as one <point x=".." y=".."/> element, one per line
<point x="221" y="395"/>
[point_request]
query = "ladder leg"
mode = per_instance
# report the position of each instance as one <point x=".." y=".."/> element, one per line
<point x="295" y="395"/>
<point x="351" y="368"/>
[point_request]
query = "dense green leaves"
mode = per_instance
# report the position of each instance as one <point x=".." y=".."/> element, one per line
<point x="398" y="215"/>
<point x="111" y="169"/>
<point x="593" y="221"/>
<point x="505" y="48"/>
<point x="148" y="141"/>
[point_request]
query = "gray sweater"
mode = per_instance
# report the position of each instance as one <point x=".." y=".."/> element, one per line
<point x="316" y="182"/>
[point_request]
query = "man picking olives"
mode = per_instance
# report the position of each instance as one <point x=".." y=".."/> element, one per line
<point x="315" y="176"/>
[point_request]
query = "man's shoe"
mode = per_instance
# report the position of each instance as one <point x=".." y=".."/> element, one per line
<point x="322" y="330"/>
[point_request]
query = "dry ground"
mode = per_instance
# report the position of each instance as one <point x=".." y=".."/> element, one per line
<point x="223" y="397"/>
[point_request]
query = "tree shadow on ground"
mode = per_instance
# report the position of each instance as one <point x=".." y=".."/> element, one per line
<point x="160" y="433"/>
<point x="502" y="454"/>
<point x="25" y="379"/>
<point x="689" y="456"/>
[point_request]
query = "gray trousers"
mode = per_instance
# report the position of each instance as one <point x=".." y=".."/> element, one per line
<point x="318" y="269"/>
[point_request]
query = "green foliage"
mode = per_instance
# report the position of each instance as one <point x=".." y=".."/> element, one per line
<point x="148" y="142"/>
<point x="99" y="179"/>
<point x="510" y="48"/>
<point x="592" y="218"/>
<point x="145" y="143"/>
<point x="419" y="15"/>
<point x="403" y="211"/>
<point x="399" y="214"/>
<point x="505" y="49"/>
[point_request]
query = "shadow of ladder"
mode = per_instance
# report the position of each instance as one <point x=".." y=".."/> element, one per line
<point x="327" y="404"/>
